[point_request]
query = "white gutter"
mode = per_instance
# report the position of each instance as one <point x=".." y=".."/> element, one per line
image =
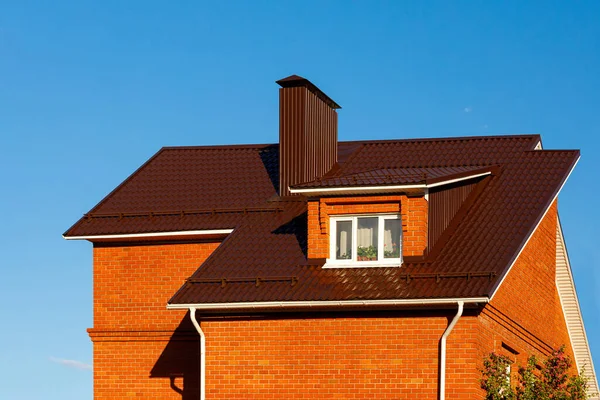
<point x="514" y="260"/>
<point x="152" y="234"/>
<point x="443" y="350"/>
<point x="202" y="353"/>
<point x="381" y="188"/>
<point x="341" y="303"/>
<point x="464" y="178"/>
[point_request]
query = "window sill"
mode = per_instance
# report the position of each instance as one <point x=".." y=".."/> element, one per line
<point x="364" y="264"/>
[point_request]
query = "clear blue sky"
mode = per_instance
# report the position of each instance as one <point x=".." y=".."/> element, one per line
<point x="90" y="90"/>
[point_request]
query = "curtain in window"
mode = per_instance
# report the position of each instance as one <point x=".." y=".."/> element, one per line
<point x="391" y="238"/>
<point x="387" y="239"/>
<point x="367" y="231"/>
<point x="365" y="237"/>
<point x="344" y="240"/>
<point x="343" y="243"/>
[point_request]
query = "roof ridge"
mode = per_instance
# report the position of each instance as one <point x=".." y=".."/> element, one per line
<point x="553" y="151"/>
<point x="360" y="142"/>
<point x="224" y="147"/>
<point x="444" y="139"/>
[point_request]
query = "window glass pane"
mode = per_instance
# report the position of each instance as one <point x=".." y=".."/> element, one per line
<point x="366" y="237"/>
<point x="343" y="240"/>
<point x="391" y="238"/>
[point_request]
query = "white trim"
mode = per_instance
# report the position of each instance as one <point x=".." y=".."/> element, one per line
<point x="325" y="303"/>
<point x="513" y="262"/>
<point x="569" y="302"/>
<point x="152" y="234"/>
<point x="464" y="178"/>
<point x="382" y="188"/>
<point x="364" y="264"/>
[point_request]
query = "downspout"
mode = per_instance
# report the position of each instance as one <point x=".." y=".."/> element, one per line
<point x="443" y="350"/>
<point x="202" y="353"/>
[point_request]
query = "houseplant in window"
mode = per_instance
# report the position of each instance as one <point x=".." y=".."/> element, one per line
<point x="344" y="256"/>
<point x="391" y="251"/>
<point x="367" y="253"/>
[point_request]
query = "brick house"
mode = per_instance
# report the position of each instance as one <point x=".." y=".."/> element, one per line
<point x="318" y="269"/>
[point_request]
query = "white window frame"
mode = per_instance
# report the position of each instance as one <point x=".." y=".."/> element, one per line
<point x="381" y="261"/>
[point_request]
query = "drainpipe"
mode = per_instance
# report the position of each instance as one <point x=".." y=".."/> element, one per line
<point x="443" y="350"/>
<point x="202" y="353"/>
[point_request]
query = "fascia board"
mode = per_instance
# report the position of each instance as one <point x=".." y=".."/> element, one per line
<point x="152" y="235"/>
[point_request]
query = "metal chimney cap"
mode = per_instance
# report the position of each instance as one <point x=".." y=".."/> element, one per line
<point x="298" y="81"/>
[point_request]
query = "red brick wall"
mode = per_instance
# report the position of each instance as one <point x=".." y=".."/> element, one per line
<point x="414" y="239"/>
<point x="413" y="211"/>
<point x="462" y="373"/>
<point x="526" y="313"/>
<point x="347" y="357"/>
<point x="341" y="357"/>
<point x="145" y="367"/>
<point x="139" y="345"/>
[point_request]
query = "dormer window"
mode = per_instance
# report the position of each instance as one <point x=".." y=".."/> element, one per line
<point x="365" y="240"/>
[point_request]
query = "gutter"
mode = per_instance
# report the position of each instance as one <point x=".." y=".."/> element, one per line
<point x="202" y="353"/>
<point x="282" y="305"/>
<point x="152" y="234"/>
<point x="443" y="349"/>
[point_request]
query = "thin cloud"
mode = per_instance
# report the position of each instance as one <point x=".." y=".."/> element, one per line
<point x="72" y="363"/>
<point x="468" y="109"/>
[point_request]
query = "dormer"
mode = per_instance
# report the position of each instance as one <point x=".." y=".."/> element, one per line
<point x="386" y="217"/>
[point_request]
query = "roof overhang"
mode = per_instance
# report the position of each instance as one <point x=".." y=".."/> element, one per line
<point x="154" y="235"/>
<point x="351" y="190"/>
<point x="273" y="306"/>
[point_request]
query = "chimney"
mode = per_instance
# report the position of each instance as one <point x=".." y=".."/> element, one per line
<point x="307" y="132"/>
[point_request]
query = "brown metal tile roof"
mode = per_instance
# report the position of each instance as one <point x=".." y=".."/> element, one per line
<point x="188" y="188"/>
<point x="236" y="187"/>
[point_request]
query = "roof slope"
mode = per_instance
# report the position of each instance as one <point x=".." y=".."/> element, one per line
<point x="187" y="188"/>
<point x="236" y="187"/>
